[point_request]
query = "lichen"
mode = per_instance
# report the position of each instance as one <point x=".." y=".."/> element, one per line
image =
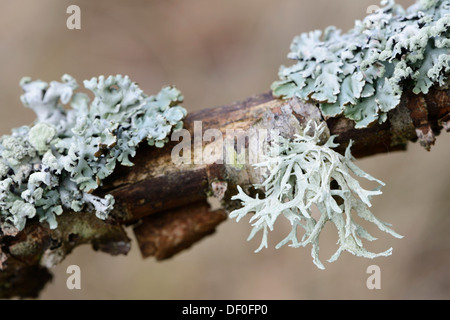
<point x="361" y="74"/>
<point x="303" y="174"/>
<point x="58" y="162"/>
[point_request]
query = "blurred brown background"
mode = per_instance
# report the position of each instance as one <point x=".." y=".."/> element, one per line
<point x="217" y="52"/>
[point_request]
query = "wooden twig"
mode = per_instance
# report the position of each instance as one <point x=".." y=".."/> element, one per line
<point x="167" y="202"/>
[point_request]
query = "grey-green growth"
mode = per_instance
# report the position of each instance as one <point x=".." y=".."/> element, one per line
<point x="361" y="74"/>
<point x="299" y="178"/>
<point x="58" y="162"/>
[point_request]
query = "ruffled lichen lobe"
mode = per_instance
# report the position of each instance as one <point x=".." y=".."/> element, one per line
<point x="362" y="74"/>
<point x="57" y="163"/>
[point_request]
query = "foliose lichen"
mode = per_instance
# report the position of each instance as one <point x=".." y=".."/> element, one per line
<point x="58" y="162"/>
<point x="361" y="74"/>
<point x="305" y="173"/>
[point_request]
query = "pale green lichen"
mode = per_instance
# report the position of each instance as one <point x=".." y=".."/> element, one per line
<point x="300" y="176"/>
<point x="361" y="74"/>
<point x="59" y="161"/>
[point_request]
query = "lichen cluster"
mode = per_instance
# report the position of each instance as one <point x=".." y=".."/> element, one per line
<point x="300" y="177"/>
<point x="57" y="163"/>
<point x="361" y="74"/>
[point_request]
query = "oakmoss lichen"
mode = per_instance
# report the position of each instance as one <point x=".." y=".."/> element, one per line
<point x="361" y="74"/>
<point x="59" y="161"/>
<point x="305" y="174"/>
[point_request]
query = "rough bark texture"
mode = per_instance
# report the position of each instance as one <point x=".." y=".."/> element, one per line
<point x="167" y="202"/>
<point x="28" y="254"/>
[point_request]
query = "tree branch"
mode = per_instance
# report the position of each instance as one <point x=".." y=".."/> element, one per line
<point x="167" y="203"/>
<point x="156" y="184"/>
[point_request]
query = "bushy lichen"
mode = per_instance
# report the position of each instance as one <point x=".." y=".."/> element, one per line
<point x="58" y="162"/>
<point x="361" y="74"/>
<point x="304" y="173"/>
